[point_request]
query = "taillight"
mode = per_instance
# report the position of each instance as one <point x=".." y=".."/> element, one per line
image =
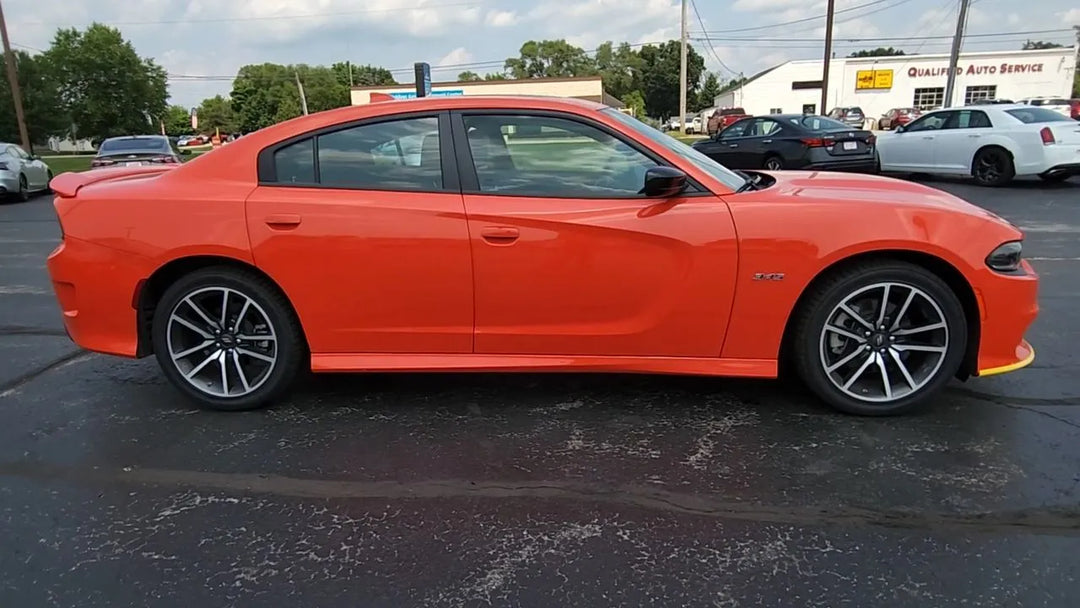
<point x="813" y="142"/>
<point x="101" y="162"/>
<point x="163" y="159"/>
<point x="871" y="140"/>
<point x="1047" y="136"/>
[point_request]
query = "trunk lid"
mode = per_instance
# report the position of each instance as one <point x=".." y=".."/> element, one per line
<point x="846" y="142"/>
<point x="1065" y="133"/>
<point x="67" y="185"/>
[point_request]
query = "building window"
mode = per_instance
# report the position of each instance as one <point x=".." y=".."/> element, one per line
<point x="929" y="98"/>
<point x="805" y="84"/>
<point x="980" y="93"/>
<point x="776" y="111"/>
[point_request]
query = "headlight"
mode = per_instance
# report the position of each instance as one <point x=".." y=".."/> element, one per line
<point x="1005" y="258"/>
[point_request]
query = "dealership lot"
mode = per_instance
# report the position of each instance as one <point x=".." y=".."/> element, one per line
<point x="542" y="490"/>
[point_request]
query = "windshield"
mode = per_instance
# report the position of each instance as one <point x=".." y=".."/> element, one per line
<point x="699" y="160"/>
<point x="1033" y="115"/>
<point x="818" y="123"/>
<point x="134" y="145"/>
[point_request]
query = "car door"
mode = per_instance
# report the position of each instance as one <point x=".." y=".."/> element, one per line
<point x="363" y="226"/>
<point x="569" y="258"/>
<point x="913" y="147"/>
<point x="727" y="147"/>
<point x="763" y="138"/>
<point x="35" y="174"/>
<point x="962" y="134"/>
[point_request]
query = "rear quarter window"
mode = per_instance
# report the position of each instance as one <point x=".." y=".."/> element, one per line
<point x="295" y="163"/>
<point x="1034" y="115"/>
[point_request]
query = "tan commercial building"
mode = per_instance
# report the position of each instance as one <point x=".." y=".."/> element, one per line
<point x="586" y="87"/>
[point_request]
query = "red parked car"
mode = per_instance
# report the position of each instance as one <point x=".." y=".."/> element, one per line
<point x="1074" y="109"/>
<point x="896" y="117"/>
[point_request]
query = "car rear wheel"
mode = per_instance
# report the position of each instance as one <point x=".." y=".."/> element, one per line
<point x="880" y="338"/>
<point x="228" y="339"/>
<point x="774" y="163"/>
<point x="993" y="166"/>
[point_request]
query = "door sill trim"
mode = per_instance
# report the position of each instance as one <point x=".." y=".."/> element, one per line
<point x="441" y="362"/>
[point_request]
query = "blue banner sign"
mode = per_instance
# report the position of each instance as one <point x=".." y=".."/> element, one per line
<point x="412" y="94"/>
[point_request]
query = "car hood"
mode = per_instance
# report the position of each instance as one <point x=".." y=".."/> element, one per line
<point x="861" y="189"/>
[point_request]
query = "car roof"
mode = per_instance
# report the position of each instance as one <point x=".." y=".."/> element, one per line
<point x="136" y="137"/>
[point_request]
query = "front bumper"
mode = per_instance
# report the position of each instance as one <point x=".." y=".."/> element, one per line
<point x="1008" y="305"/>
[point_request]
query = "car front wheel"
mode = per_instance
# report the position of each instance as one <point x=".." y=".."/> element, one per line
<point x="880" y="338"/>
<point x="992" y="166"/>
<point x="227" y="338"/>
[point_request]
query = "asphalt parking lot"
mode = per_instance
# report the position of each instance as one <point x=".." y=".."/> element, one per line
<point x="536" y="490"/>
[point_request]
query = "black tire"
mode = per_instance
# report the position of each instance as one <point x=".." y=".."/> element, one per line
<point x="292" y="352"/>
<point x="831" y="291"/>
<point x="48" y="182"/>
<point x="993" y="166"/>
<point x="773" y="163"/>
<point x="23" y="194"/>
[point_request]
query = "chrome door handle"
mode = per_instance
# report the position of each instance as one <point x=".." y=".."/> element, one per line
<point x="733" y="145"/>
<point x="766" y="141"/>
<point x="928" y="137"/>
<point x="974" y="135"/>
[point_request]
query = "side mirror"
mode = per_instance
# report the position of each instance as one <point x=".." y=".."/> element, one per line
<point x="664" y="182"/>
<point x="899" y="129"/>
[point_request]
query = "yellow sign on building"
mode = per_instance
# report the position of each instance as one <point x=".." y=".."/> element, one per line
<point x="873" y="79"/>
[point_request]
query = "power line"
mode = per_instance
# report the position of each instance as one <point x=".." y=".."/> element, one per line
<point x="279" y="17"/>
<point x="885" y="38"/>
<point x="806" y="19"/>
<point x="709" y="42"/>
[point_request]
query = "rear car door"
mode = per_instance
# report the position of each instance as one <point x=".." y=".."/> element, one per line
<point x="570" y="258"/>
<point x="35" y="170"/>
<point x="958" y="140"/>
<point x="363" y="226"/>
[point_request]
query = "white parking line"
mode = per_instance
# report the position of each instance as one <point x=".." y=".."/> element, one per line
<point x="22" y="290"/>
<point x="1053" y="259"/>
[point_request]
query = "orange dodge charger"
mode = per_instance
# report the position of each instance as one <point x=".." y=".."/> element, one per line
<point x="530" y="234"/>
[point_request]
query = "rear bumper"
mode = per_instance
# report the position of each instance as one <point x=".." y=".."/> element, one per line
<point x="860" y="165"/>
<point x="1008" y="305"/>
<point x="9" y="182"/>
<point x="95" y="288"/>
<point x="1063" y="169"/>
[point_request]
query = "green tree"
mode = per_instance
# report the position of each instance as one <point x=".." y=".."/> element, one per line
<point x="1034" y="45"/>
<point x="619" y="67"/>
<point x="362" y="75"/>
<point x="495" y="76"/>
<point x="659" y="81"/>
<point x="217" y="113"/>
<point x="266" y="93"/>
<point x="40" y="98"/>
<point x="177" y="120"/>
<point x="708" y="92"/>
<point x="636" y="102"/>
<point x="878" y="52"/>
<point x="468" y="76"/>
<point x="105" y="87"/>
<point x="550" y="59"/>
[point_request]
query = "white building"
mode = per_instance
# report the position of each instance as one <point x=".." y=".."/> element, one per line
<point x="585" y="87"/>
<point x="878" y="84"/>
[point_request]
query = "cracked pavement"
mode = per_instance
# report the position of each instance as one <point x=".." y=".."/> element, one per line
<point x="536" y="490"/>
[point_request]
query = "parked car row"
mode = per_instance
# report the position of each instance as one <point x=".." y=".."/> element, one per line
<point x="991" y="143"/>
<point x="21" y="174"/>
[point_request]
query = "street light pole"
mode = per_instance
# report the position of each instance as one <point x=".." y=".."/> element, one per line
<point x="828" y="55"/>
<point x="954" y="55"/>
<point x="13" y="81"/>
<point x="682" y="73"/>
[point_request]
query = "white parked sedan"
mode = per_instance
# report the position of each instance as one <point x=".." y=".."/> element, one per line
<point x="991" y="143"/>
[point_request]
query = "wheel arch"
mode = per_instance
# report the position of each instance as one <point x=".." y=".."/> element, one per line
<point x="996" y="143"/>
<point x="941" y="268"/>
<point x="148" y="292"/>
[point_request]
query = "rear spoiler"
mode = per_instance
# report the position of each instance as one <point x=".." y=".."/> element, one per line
<point x="67" y="185"/>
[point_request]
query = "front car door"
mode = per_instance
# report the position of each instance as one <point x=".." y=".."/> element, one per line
<point x="36" y="171"/>
<point x="726" y="147"/>
<point x="912" y="149"/>
<point x="570" y="258"/>
<point x="363" y="226"/>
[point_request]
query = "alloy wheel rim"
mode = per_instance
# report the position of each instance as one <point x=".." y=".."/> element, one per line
<point x="222" y="342"/>
<point x="773" y="164"/>
<point x="883" y="342"/>
<point x="989" y="167"/>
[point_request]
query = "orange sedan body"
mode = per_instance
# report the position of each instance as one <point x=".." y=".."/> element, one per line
<point x="434" y="264"/>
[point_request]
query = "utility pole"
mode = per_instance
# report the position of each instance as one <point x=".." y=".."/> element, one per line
<point x="303" y="99"/>
<point x="954" y="54"/>
<point x="828" y="56"/>
<point x="349" y="63"/>
<point x="682" y="73"/>
<point x="13" y="81"/>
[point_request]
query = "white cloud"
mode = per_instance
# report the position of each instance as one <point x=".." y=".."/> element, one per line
<point x="1012" y="19"/>
<point x="587" y="23"/>
<point x="497" y="18"/>
<point x="455" y="57"/>
<point x="1071" y="17"/>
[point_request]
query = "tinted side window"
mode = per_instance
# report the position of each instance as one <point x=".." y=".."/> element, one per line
<point x="968" y="119"/>
<point x="737" y="129"/>
<point x="545" y="156"/>
<point x="395" y="155"/>
<point x="295" y="163"/>
<point x="930" y="122"/>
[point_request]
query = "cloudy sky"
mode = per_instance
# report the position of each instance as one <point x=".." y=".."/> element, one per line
<point x="202" y="42"/>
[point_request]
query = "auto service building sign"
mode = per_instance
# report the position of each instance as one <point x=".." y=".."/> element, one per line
<point x="873" y="79"/>
<point x="974" y="70"/>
